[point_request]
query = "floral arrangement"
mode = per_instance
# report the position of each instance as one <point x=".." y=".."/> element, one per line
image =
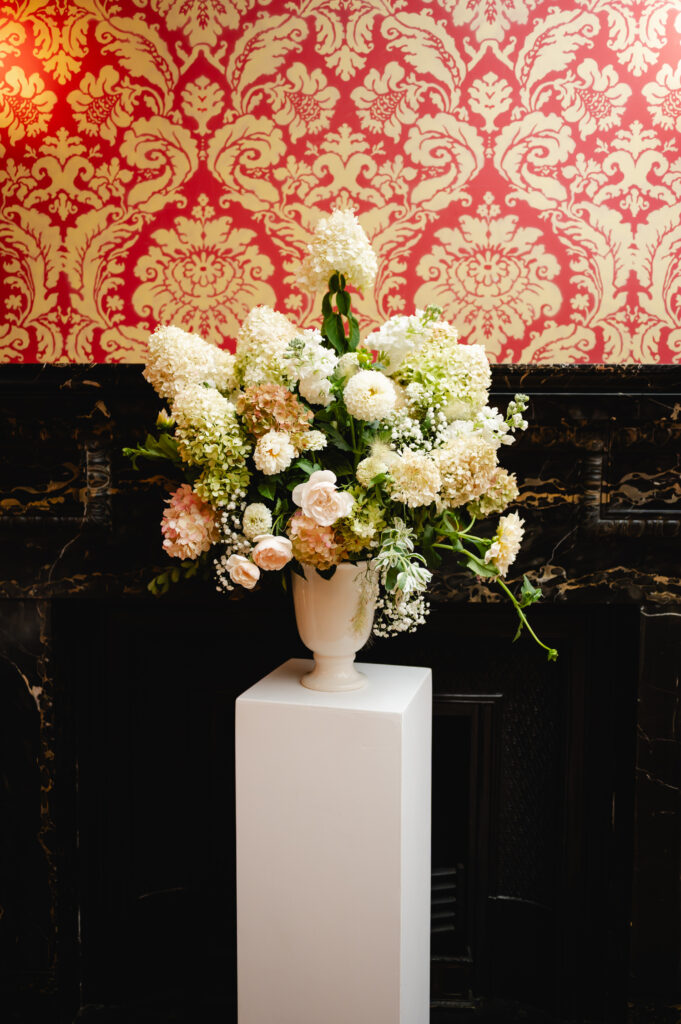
<point x="319" y="447"/>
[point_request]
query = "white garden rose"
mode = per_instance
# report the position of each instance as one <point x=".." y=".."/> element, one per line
<point x="242" y="571"/>
<point x="320" y="500"/>
<point x="274" y="452"/>
<point x="271" y="553"/>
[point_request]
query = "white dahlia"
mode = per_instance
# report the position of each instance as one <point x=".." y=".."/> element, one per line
<point x="506" y="543"/>
<point x="274" y="452"/>
<point x="369" y="395"/>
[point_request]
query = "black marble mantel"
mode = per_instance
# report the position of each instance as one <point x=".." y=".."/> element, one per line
<point x="90" y="666"/>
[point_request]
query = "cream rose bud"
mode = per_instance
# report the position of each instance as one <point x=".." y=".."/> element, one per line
<point x="320" y="500"/>
<point x="242" y="571"/>
<point x="272" y="552"/>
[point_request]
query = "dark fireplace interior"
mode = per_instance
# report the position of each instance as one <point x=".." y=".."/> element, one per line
<point x="556" y="832"/>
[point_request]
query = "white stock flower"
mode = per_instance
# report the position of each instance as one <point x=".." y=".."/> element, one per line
<point x="506" y="544"/>
<point x="348" y="365"/>
<point x="396" y="337"/>
<point x="320" y="500"/>
<point x="339" y="245"/>
<point x="176" y="359"/>
<point x="274" y="452"/>
<point x="316" y="390"/>
<point x="257" y="519"/>
<point x="369" y="395"/>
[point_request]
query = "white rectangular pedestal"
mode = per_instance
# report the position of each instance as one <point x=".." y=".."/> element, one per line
<point x="333" y="849"/>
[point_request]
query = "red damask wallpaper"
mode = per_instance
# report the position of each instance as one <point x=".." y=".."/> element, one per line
<point x="517" y="162"/>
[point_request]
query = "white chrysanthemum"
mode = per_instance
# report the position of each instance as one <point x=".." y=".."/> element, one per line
<point x="257" y="519"/>
<point x="415" y="479"/>
<point x="467" y="468"/>
<point x="313" y="441"/>
<point x="262" y="345"/>
<point x="367" y="469"/>
<point x="339" y="245"/>
<point x="369" y="395"/>
<point x="274" y="452"/>
<point x="176" y="359"/>
<point x="506" y="544"/>
<point x="316" y="390"/>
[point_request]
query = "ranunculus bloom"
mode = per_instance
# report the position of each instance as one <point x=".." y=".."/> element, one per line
<point x="320" y="500"/>
<point x="242" y="571"/>
<point x="272" y="552"/>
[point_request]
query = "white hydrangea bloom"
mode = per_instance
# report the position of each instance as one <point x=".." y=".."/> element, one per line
<point x="257" y="519"/>
<point x="467" y="467"/>
<point x="339" y="245"/>
<point x="261" y="347"/>
<point x="369" y="395"/>
<point x="415" y="479"/>
<point x="506" y="544"/>
<point x="452" y="376"/>
<point x="274" y="452"/>
<point x="176" y="359"/>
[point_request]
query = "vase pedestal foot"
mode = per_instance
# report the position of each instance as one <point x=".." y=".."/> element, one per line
<point x="333" y="849"/>
<point x="334" y="675"/>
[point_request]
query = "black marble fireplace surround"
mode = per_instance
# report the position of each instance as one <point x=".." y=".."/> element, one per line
<point x="556" y="814"/>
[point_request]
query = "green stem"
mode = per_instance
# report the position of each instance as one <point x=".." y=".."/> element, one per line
<point x="552" y="652"/>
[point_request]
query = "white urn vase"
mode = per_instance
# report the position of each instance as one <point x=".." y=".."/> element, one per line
<point x="334" y="618"/>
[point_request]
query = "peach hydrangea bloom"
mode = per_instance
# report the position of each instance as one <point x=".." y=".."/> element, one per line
<point x="188" y="525"/>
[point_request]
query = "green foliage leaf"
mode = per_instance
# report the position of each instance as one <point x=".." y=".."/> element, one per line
<point x="477" y="566"/>
<point x="163" y="448"/>
<point x="334" y="283"/>
<point x="267" y="488"/>
<point x="336" y="438"/>
<point x="391" y="578"/>
<point x="529" y="594"/>
<point x="332" y="329"/>
<point x="343" y="303"/>
<point x="433" y="557"/>
<point x="353" y="340"/>
<point x="327" y="573"/>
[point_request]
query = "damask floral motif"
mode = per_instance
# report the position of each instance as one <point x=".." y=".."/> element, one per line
<point x="203" y="21"/>
<point x="25" y="104"/>
<point x="387" y="100"/>
<point x="305" y="102"/>
<point x="594" y="97"/>
<point x="103" y="104"/>
<point x="664" y="97"/>
<point x="491" y="277"/>
<point x="490" y="19"/>
<point x="204" y="274"/>
<point x="564" y="118"/>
